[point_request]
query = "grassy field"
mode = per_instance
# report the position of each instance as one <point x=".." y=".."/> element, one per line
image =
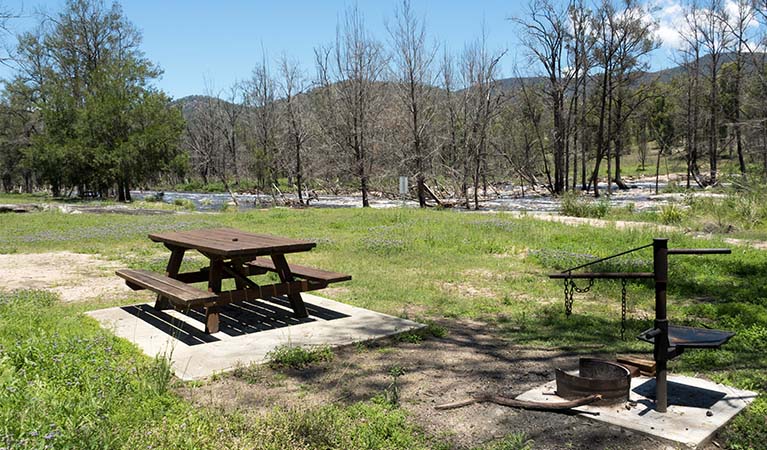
<point x="68" y="384"/>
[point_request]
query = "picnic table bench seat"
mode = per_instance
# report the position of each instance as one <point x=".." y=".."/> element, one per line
<point x="179" y="293"/>
<point x="309" y="273"/>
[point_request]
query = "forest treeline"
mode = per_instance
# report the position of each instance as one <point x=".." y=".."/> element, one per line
<point x="81" y="113"/>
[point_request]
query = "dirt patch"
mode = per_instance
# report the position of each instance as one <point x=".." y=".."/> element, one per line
<point x="472" y="358"/>
<point x="74" y="276"/>
<point x="467" y="290"/>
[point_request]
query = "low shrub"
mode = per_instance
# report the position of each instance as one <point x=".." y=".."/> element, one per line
<point x="671" y="214"/>
<point x="184" y="203"/>
<point x="294" y="357"/>
<point x="574" y="205"/>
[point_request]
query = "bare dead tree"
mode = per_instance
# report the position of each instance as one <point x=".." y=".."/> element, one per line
<point x="715" y="40"/>
<point x="260" y="97"/>
<point x="206" y="140"/>
<point x="348" y="104"/>
<point x="293" y="86"/>
<point x="739" y="27"/>
<point x="232" y="111"/>
<point x="546" y="35"/>
<point x="691" y="60"/>
<point x="479" y="71"/>
<point x="413" y="65"/>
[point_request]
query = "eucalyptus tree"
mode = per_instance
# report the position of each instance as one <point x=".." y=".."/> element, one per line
<point x="294" y="87"/>
<point x="261" y="98"/>
<point x="482" y="105"/>
<point x="348" y="103"/>
<point x="415" y="78"/>
<point x="716" y="40"/>
<point x="634" y="43"/>
<point x="623" y="38"/>
<point x="691" y="61"/>
<point x="546" y="35"/>
<point x="581" y="44"/>
<point x="739" y="27"/>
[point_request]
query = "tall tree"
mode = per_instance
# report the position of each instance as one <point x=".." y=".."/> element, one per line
<point x="482" y="104"/>
<point x="413" y="62"/>
<point x="348" y="104"/>
<point x="90" y="78"/>
<point x="715" y="39"/>
<point x="297" y="133"/>
<point x="547" y="37"/>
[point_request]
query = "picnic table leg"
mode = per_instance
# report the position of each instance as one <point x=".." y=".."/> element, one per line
<point x="283" y="270"/>
<point x="239" y="266"/>
<point x="214" y="285"/>
<point x="171" y="270"/>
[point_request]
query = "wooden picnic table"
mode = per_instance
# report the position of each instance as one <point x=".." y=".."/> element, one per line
<point x="234" y="254"/>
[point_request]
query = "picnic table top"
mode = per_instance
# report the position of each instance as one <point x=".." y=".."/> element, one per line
<point x="230" y="242"/>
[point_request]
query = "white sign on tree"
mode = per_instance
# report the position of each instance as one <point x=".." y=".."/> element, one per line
<point x="403" y="185"/>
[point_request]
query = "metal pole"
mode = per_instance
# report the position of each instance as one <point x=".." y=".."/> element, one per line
<point x="660" y="267"/>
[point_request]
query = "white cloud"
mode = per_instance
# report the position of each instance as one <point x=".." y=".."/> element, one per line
<point x="671" y="23"/>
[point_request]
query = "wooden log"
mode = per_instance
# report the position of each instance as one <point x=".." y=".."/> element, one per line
<point x="514" y="403"/>
<point x="432" y="194"/>
<point x="644" y="365"/>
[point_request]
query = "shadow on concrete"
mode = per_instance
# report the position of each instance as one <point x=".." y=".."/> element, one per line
<point x="682" y="394"/>
<point x="236" y="319"/>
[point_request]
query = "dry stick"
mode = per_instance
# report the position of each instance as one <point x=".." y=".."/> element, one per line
<point x="506" y="401"/>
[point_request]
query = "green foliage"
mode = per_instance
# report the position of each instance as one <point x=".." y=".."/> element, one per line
<point x="106" y="126"/>
<point x="184" y="203"/>
<point x="391" y="394"/>
<point x="67" y="383"/>
<point x="430" y="330"/>
<point x="293" y="357"/>
<point x="575" y="205"/>
<point x="671" y="214"/>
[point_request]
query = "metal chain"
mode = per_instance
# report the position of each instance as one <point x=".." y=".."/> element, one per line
<point x="586" y="289"/>
<point x="570" y="289"/>
<point x="569" y="296"/>
<point x="624" y="281"/>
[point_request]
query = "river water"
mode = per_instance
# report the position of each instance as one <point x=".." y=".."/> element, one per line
<point x="641" y="195"/>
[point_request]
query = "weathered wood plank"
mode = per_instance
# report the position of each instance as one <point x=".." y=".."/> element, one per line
<point x="177" y="291"/>
<point x="309" y="273"/>
<point x="228" y="242"/>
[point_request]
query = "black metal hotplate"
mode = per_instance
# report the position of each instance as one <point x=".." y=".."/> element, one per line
<point x="690" y="337"/>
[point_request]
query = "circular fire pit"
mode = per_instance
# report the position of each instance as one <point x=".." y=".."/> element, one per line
<point x="595" y="376"/>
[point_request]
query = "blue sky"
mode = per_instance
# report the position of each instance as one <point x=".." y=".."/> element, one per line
<point x="206" y="44"/>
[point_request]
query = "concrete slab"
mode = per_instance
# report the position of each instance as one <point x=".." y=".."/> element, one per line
<point x="696" y="408"/>
<point x="248" y="331"/>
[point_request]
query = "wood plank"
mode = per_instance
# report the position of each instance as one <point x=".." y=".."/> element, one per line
<point x="286" y="276"/>
<point x="171" y="270"/>
<point x="230" y="242"/>
<point x="266" y="291"/>
<point x="644" y="365"/>
<point x="177" y="291"/>
<point x="310" y="273"/>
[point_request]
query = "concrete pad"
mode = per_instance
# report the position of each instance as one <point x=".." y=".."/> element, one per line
<point x="248" y="331"/>
<point x="696" y="408"/>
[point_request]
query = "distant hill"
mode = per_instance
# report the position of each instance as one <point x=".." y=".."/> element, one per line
<point x="193" y="103"/>
<point x="664" y="75"/>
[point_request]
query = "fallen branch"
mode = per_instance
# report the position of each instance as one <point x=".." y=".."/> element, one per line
<point x="506" y="401"/>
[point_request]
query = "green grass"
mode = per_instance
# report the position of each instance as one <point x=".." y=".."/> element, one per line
<point x="294" y="357"/>
<point x="66" y="383"/>
<point x="431" y="264"/>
